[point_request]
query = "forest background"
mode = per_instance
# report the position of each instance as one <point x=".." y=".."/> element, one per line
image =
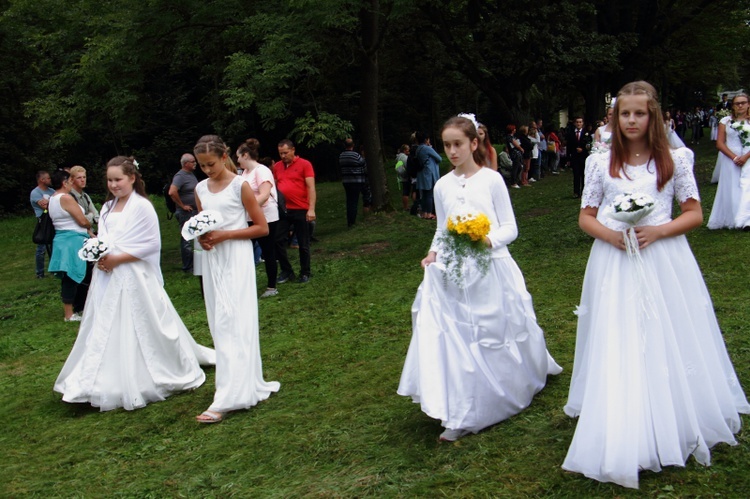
<point x="83" y="81"/>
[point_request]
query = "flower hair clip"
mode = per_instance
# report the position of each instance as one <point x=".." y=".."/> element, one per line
<point x="135" y="163"/>
<point x="470" y="117"/>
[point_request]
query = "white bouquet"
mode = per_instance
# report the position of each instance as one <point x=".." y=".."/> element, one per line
<point x="202" y="223"/>
<point x="600" y="147"/>
<point x="631" y="208"/>
<point x="93" y="249"/>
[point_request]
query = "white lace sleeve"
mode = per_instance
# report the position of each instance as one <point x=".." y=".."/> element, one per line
<point x="685" y="186"/>
<point x="593" y="187"/>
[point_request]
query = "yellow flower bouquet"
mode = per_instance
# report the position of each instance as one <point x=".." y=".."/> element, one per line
<point x="464" y="239"/>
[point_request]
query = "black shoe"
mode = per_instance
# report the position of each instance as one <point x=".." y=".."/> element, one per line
<point x="284" y="277"/>
<point x="746" y="228"/>
<point x="303" y="279"/>
<point x="40" y="276"/>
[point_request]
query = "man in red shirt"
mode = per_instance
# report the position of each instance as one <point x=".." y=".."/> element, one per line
<point x="295" y="179"/>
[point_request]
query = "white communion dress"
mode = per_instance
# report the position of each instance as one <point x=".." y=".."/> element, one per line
<point x="477" y="355"/>
<point x="730" y="190"/>
<point x="652" y="382"/>
<point x="232" y="306"/>
<point x="132" y="347"/>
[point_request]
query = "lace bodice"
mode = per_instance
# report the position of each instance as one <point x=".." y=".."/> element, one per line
<point x="733" y="137"/>
<point x="600" y="188"/>
<point x="227" y="201"/>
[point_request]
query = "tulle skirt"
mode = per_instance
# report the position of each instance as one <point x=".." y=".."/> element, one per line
<point x="742" y="218"/>
<point x="477" y="355"/>
<point x="728" y="195"/>
<point x="652" y="382"/>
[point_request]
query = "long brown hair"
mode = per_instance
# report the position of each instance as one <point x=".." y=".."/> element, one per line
<point x="656" y="138"/>
<point x="127" y="165"/>
<point x="468" y="128"/>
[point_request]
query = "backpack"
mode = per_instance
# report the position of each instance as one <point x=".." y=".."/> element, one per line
<point x="171" y="206"/>
<point x="413" y="165"/>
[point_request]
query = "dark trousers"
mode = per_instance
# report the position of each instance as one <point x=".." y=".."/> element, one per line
<point x="426" y="198"/>
<point x="578" y="166"/>
<point x="515" y="172"/>
<point x="186" y="247"/>
<point x="82" y="291"/>
<point x="68" y="289"/>
<point x="268" y="247"/>
<point x="352" y="200"/>
<point x="297" y="220"/>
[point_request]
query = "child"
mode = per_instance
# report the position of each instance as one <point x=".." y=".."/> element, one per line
<point x="652" y="382"/>
<point x="132" y="347"/>
<point x="477" y="355"/>
<point x="229" y="282"/>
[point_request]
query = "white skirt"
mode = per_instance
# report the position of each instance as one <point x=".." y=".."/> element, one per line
<point x="477" y="355"/>
<point x="728" y="195"/>
<point x="652" y="382"/>
<point x="132" y="347"/>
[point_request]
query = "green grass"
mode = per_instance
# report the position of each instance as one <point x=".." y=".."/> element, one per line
<point x="337" y="345"/>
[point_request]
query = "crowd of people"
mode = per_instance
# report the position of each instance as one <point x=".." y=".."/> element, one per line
<point x="652" y="383"/>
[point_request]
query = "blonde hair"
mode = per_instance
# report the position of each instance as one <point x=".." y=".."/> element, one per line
<point x="76" y="170"/>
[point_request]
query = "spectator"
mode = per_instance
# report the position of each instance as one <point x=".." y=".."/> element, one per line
<point x="71" y="230"/>
<point x="353" y="169"/>
<point x="182" y="192"/>
<point x="263" y="185"/>
<point x="428" y="176"/>
<point x="295" y="178"/>
<point x="39" y="199"/>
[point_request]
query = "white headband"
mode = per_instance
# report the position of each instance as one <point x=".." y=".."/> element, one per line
<point x="470" y="117"/>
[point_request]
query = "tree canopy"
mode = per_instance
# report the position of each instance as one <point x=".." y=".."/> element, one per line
<point x="83" y="81"/>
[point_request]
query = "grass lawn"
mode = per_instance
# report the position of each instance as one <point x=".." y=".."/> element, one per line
<point x="337" y="345"/>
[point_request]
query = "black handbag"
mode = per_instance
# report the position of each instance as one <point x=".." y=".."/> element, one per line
<point x="281" y="200"/>
<point x="44" y="232"/>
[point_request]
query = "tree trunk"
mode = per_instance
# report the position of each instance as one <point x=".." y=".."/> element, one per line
<point x="368" y="108"/>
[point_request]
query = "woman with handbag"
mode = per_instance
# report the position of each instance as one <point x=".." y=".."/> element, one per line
<point x="71" y="230"/>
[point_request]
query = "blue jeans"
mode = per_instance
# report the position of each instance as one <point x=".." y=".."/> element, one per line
<point x="40" y="250"/>
<point x="186" y="247"/>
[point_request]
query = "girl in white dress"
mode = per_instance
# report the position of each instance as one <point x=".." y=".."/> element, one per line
<point x="729" y="211"/>
<point x="477" y="355"/>
<point x="132" y="347"/>
<point x="604" y="133"/>
<point x="672" y="138"/>
<point x="229" y="282"/>
<point x="652" y="382"/>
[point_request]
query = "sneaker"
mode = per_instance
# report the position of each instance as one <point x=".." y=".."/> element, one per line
<point x="284" y="277"/>
<point x="76" y="317"/>
<point x="516" y="186"/>
<point x="452" y="435"/>
<point x="40" y="276"/>
<point x="270" y="292"/>
<point x="303" y="279"/>
<point x="555" y="173"/>
<point x="532" y="180"/>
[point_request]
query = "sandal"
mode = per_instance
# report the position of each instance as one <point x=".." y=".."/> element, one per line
<point x="209" y="417"/>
